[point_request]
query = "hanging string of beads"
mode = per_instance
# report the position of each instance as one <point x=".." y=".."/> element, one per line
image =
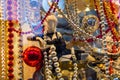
<point x="97" y="11"/>
<point x="112" y="26"/>
<point x="56" y="63"/>
<point x="10" y="25"/>
<point x="47" y="70"/>
<point x="104" y="43"/>
<point x="113" y="23"/>
<point x="2" y="50"/>
<point x="76" y="27"/>
<point x="20" y="41"/>
<point x="67" y="10"/>
<point x="75" y="68"/>
<point x="20" y="62"/>
<point x="42" y="21"/>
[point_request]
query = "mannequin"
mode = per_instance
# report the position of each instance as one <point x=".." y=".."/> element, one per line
<point x="51" y="37"/>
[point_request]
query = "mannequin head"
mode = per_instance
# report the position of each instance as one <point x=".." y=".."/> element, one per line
<point x="50" y="24"/>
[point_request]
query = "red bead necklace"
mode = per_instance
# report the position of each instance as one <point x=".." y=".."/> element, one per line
<point x="10" y="41"/>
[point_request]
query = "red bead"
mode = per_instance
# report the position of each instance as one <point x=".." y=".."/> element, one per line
<point x="10" y="46"/>
<point x="10" y="63"/>
<point x="32" y="56"/>
<point x="10" y="29"/>
<point x="10" y="52"/>
<point x="110" y="69"/>
<point x="10" y="41"/>
<point x="10" y="70"/>
<point x="11" y="35"/>
<point x="11" y="76"/>
<point x="11" y="57"/>
<point x="10" y="24"/>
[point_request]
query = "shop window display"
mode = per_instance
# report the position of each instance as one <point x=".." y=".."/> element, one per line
<point x="59" y="40"/>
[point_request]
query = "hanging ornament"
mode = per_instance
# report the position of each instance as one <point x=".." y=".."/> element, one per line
<point x="32" y="56"/>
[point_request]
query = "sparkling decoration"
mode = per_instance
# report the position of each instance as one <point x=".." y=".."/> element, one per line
<point x="32" y="56"/>
<point x="93" y="46"/>
<point x="91" y="23"/>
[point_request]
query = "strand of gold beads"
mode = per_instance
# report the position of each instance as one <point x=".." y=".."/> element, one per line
<point x="67" y="10"/>
<point x="109" y="12"/>
<point x="3" y="48"/>
<point x="111" y="18"/>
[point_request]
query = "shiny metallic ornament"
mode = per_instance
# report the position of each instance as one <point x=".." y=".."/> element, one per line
<point x="32" y="56"/>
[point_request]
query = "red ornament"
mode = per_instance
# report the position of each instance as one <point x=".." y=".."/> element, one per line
<point x="32" y="56"/>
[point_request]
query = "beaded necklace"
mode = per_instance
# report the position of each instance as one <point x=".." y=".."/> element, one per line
<point x="42" y="21"/>
<point x="20" y="62"/>
<point x="20" y="42"/>
<point x="10" y="41"/>
<point x="111" y="23"/>
<point x="52" y="59"/>
<point x="3" y="48"/>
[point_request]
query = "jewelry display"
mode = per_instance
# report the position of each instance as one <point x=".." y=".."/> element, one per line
<point x="59" y="40"/>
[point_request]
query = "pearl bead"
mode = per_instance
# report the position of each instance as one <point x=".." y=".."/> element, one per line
<point x="50" y="62"/>
<point x="56" y="64"/>
<point x="53" y="53"/>
<point x="45" y="56"/>
<point x="55" y="59"/>
<point x="45" y="53"/>
<point x="61" y="79"/>
<point x="53" y="48"/>
<point x="50" y="67"/>
<point x="74" y="78"/>
<point x="57" y="69"/>
<point x="46" y="63"/>
<point x="75" y="68"/>
<point x="75" y="64"/>
<point x="59" y="75"/>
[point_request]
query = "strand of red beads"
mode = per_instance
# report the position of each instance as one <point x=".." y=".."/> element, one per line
<point x="10" y="40"/>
